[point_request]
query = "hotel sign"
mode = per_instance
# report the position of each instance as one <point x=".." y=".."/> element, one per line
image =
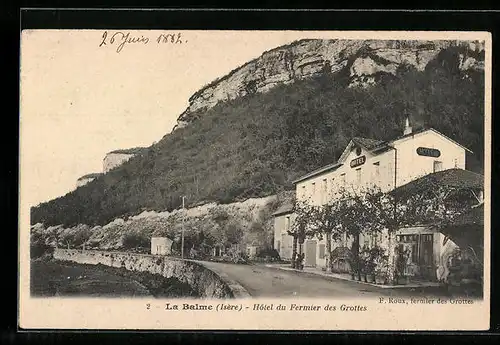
<point x="425" y="151"/>
<point x="356" y="162"/>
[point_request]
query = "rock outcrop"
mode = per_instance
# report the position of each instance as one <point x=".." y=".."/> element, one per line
<point x="118" y="157"/>
<point x="86" y="179"/>
<point x="363" y="60"/>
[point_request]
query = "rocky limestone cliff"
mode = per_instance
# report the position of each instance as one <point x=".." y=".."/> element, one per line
<point x="118" y="157"/>
<point x="361" y="59"/>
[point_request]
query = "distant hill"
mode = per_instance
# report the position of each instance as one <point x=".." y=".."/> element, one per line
<point x="255" y="144"/>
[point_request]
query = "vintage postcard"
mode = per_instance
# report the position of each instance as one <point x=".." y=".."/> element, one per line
<point x="254" y="180"/>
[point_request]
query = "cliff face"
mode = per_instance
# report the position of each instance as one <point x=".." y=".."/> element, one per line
<point x="361" y="60"/>
<point x="118" y="157"/>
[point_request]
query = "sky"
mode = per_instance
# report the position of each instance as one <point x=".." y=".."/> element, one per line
<point x="81" y="99"/>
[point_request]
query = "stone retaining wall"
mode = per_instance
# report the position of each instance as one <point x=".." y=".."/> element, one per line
<point x="204" y="281"/>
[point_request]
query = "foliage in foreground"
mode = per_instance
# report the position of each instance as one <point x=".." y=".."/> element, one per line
<point x="371" y="212"/>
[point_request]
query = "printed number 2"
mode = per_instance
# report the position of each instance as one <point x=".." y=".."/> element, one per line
<point x="148" y="306"/>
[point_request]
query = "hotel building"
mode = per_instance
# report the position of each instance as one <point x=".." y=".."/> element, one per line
<point x="386" y="165"/>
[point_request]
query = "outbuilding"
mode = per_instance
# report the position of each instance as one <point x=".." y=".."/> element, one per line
<point x="161" y="246"/>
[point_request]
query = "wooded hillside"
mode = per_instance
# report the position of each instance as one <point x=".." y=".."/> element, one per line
<point x="256" y="145"/>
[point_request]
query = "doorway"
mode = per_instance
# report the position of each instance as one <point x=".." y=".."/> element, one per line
<point x="418" y="255"/>
<point x="310" y="259"/>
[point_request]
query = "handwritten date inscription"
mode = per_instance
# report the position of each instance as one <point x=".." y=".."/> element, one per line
<point x="120" y="39"/>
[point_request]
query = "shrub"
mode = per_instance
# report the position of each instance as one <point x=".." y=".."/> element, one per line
<point x="38" y="248"/>
<point x="269" y="254"/>
<point x="133" y="240"/>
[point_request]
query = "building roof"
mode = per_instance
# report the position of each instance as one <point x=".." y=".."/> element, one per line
<point x="473" y="217"/>
<point x="426" y="129"/>
<point x="368" y="143"/>
<point x="326" y="168"/>
<point x="452" y="178"/>
<point x="287" y="207"/>
<point x="161" y="237"/>
<point x="92" y="175"/>
<point x="466" y="230"/>
<point x="131" y="151"/>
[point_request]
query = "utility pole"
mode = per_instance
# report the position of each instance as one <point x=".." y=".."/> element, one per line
<point x="182" y="233"/>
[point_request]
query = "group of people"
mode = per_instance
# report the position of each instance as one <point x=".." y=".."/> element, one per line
<point x="298" y="261"/>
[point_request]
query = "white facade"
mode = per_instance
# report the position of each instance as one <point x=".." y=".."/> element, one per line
<point x="369" y="163"/>
<point x="393" y="165"/>
<point x="283" y="242"/>
<point x="161" y="246"/>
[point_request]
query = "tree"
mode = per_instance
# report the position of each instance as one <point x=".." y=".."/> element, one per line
<point x="38" y="245"/>
<point x="133" y="240"/>
<point x="300" y="227"/>
<point x="424" y="202"/>
<point x="355" y="216"/>
<point x="326" y="222"/>
<point x="205" y="241"/>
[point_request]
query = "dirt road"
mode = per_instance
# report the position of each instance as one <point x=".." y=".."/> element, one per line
<point x="262" y="281"/>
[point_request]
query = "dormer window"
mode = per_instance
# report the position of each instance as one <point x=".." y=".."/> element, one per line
<point x="358" y="150"/>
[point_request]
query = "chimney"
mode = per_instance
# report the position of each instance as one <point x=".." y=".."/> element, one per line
<point x="407" y="129"/>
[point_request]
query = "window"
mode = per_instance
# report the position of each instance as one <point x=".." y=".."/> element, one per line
<point x="321" y="251"/>
<point x="438" y="166"/>
<point x="366" y="240"/>
<point x="414" y="253"/>
<point x="313" y="192"/>
<point x="303" y="192"/>
<point x="358" y="176"/>
<point x="278" y="246"/>
<point x="342" y="178"/>
<point x="376" y="173"/>
<point x="323" y="191"/>
<point x="427" y="238"/>
<point x="409" y="246"/>
<point x="287" y="223"/>
<point x="390" y="176"/>
<point x="407" y="238"/>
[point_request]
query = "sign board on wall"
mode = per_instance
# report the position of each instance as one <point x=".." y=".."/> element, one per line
<point x="425" y="151"/>
<point x="356" y="162"/>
